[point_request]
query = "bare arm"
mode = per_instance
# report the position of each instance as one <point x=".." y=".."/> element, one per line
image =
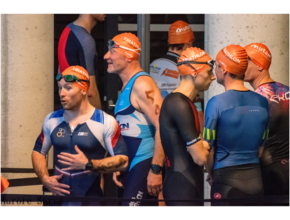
<point x="261" y="149"/>
<point x="78" y="162"/>
<point x="199" y="152"/>
<point x="146" y="98"/>
<point x="93" y="93"/>
<point x="111" y="164"/>
<point x="50" y="182"/>
<point x="39" y="165"/>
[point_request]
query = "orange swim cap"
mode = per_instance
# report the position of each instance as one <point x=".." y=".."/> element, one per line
<point x="130" y="41"/>
<point x="259" y="54"/>
<point x="233" y="59"/>
<point x="180" y="33"/>
<point x="79" y="72"/>
<point x="193" y="54"/>
<point x="4" y="184"/>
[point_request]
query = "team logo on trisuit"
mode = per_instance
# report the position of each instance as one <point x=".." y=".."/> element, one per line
<point x="170" y="73"/>
<point x="217" y="196"/>
<point x="154" y="69"/>
<point x="277" y="98"/>
<point x="83" y="133"/>
<point x="124" y="126"/>
<point x="60" y="132"/>
<point x="136" y="203"/>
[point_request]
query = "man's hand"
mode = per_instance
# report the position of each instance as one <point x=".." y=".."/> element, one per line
<point x="116" y="179"/>
<point x="206" y="145"/>
<point x="52" y="184"/>
<point x="154" y="183"/>
<point x="209" y="179"/>
<point x="74" y="161"/>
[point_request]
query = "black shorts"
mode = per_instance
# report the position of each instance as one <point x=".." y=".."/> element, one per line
<point x="178" y="187"/>
<point x="135" y="183"/>
<point x="276" y="178"/>
<point x="237" y="182"/>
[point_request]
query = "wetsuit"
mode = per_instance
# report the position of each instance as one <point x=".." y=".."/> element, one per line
<point x="275" y="158"/>
<point x="179" y="129"/>
<point x="97" y="135"/>
<point x="236" y="126"/>
<point x="138" y="133"/>
<point x="77" y="47"/>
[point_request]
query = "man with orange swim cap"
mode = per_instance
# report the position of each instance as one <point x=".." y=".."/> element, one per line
<point x="236" y="127"/>
<point x="137" y="111"/>
<point x="4" y="184"/>
<point x="275" y="157"/>
<point x="81" y="134"/>
<point x="186" y="153"/>
<point x="164" y="70"/>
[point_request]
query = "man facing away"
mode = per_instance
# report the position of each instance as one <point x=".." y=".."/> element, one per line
<point x="137" y="111"/>
<point x="185" y="151"/>
<point x="275" y="157"/>
<point x="80" y="134"/>
<point x="76" y="46"/>
<point x="236" y="126"/>
<point x="164" y="70"/>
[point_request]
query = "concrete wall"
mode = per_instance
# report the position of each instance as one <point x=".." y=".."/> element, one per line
<point x="26" y="89"/>
<point x="269" y="29"/>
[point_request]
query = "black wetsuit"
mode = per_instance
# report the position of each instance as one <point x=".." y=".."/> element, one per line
<point x="179" y="128"/>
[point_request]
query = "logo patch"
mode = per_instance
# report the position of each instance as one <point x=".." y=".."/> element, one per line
<point x="83" y="133"/>
<point x="154" y="69"/>
<point x="170" y="73"/>
<point x="217" y="196"/>
<point x="124" y="126"/>
<point x="60" y="132"/>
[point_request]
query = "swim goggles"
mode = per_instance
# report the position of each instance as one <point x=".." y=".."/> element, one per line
<point x="210" y="62"/>
<point x="113" y="44"/>
<point x="70" y="78"/>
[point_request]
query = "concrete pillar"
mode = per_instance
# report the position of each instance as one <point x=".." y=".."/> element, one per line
<point x="269" y="29"/>
<point x="26" y="89"/>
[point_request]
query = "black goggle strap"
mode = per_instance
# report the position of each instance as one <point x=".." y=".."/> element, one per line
<point x="70" y="78"/>
<point x="210" y="62"/>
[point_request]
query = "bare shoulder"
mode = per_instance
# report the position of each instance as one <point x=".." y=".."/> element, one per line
<point x="144" y="83"/>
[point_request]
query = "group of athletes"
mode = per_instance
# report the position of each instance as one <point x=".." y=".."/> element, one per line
<point x="242" y="140"/>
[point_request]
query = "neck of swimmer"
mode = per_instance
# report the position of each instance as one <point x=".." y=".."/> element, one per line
<point x="86" y="21"/>
<point x="175" y="51"/>
<point x="262" y="78"/>
<point x="130" y="70"/>
<point x="187" y="88"/>
<point x="234" y="84"/>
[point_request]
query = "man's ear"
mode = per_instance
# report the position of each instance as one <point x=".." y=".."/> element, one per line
<point x="194" y="74"/>
<point x="128" y="60"/>
<point x="225" y="72"/>
<point x="260" y="69"/>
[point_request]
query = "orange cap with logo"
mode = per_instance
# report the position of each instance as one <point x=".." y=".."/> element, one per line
<point x="259" y="54"/>
<point x="4" y="184"/>
<point x="180" y="33"/>
<point x="193" y="54"/>
<point x="234" y="59"/>
<point x="79" y="72"/>
<point x="130" y="41"/>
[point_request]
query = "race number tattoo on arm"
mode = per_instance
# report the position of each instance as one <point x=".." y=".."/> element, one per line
<point x="157" y="108"/>
<point x="149" y="97"/>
